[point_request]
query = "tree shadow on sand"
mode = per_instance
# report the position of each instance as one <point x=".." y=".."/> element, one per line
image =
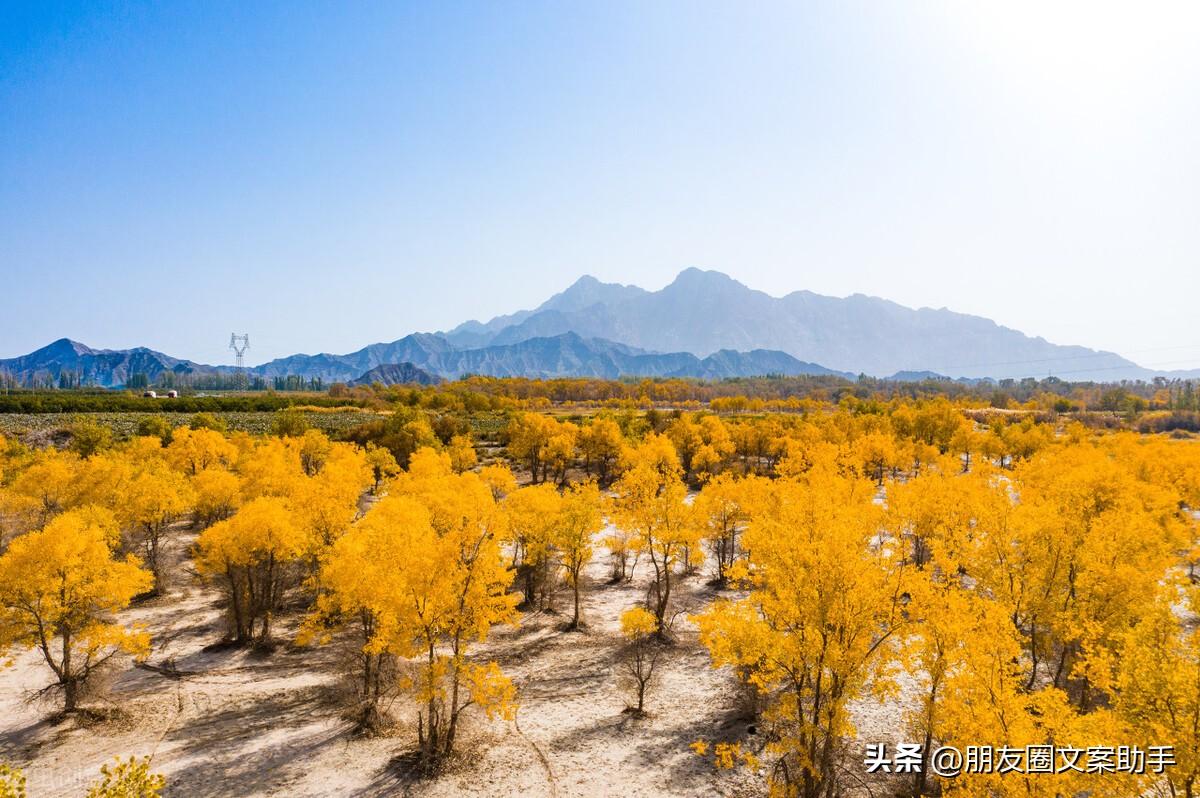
<point x="230" y="757"/>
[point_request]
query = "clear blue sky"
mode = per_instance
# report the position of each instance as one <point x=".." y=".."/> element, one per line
<point x="327" y="175"/>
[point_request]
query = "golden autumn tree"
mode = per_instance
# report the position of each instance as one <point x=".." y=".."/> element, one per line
<point x="314" y="448"/>
<point x="382" y="463"/>
<point x="578" y="521"/>
<point x="193" y="450"/>
<point x="559" y="454"/>
<point x="49" y="480"/>
<point x="722" y="509"/>
<point x="603" y="447"/>
<point x="152" y="500"/>
<point x="499" y="478"/>
<point x="1077" y="559"/>
<point x="649" y="502"/>
<point x="218" y="493"/>
<point x="533" y="514"/>
<point x="18" y="514"/>
<point x="362" y="573"/>
<point x="102" y="480"/>
<point x="949" y="622"/>
<point x="826" y="606"/>
<point x="12" y="782"/>
<point x="640" y="652"/>
<point x="986" y="699"/>
<point x="269" y="467"/>
<point x="685" y="435"/>
<point x="529" y="436"/>
<point x="1156" y="679"/>
<point x="324" y="502"/>
<point x="935" y="510"/>
<point x="446" y="591"/>
<point x="253" y="557"/>
<point x="462" y="453"/>
<point x="60" y="588"/>
<point x="878" y="453"/>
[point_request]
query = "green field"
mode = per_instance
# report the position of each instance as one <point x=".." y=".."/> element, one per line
<point x="126" y="424"/>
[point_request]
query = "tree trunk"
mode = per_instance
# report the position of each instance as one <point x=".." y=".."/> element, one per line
<point x="69" y="682"/>
<point x="575" y="584"/>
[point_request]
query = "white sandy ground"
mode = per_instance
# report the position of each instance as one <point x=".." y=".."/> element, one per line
<point x="248" y="725"/>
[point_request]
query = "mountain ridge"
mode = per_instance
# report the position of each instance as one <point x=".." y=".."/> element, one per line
<point x="408" y="358"/>
<point x="705" y="311"/>
<point x="703" y="324"/>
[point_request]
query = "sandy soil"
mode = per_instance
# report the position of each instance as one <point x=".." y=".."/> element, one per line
<point x="241" y="724"/>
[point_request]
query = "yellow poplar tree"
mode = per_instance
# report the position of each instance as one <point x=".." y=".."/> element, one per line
<point x="462" y="453"/>
<point x="152" y="500"/>
<point x="641" y="651"/>
<point x="824" y="610"/>
<point x="499" y="478"/>
<point x="59" y="590"/>
<point x="218" y="494"/>
<point x="252" y="555"/>
<point x="364" y="577"/>
<point x="1157" y="683"/>
<point x="722" y="508"/>
<point x="193" y="450"/>
<point x="451" y="589"/>
<point x="603" y="447"/>
<point x="578" y="521"/>
<point x="650" y="503"/>
<point x="382" y="463"/>
<point x="49" y="480"/>
<point x="533" y="516"/>
<point x="129" y="778"/>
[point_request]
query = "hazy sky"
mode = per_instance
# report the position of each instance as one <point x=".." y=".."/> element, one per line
<point x="325" y="176"/>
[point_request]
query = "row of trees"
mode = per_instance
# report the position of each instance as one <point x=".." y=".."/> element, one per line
<point x="789" y="394"/>
<point x="896" y="438"/>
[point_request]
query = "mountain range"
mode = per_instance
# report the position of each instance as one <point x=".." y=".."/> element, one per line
<point x="704" y="311"/>
<point x="703" y="325"/>
<point x="420" y="358"/>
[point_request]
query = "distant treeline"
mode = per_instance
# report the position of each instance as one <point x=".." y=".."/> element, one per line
<point x="786" y="394"/>
<point x="783" y="392"/>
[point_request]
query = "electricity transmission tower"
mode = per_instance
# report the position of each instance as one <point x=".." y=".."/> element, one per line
<point x="239" y="344"/>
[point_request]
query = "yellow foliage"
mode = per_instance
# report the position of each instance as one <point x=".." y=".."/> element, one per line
<point x="252" y="556"/>
<point x="815" y="631"/>
<point x="59" y="588"/>
<point x="127" y="779"/>
<point x="218" y="494"/>
<point x="193" y="450"/>
<point x="638" y="622"/>
<point x="649" y="503"/>
<point x="424" y="576"/>
<point x="12" y="782"/>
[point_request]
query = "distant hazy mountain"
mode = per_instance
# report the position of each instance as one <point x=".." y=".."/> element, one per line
<point x="570" y="355"/>
<point x="104" y="367"/>
<point x="420" y="358"/>
<point x="418" y="349"/>
<point x="397" y="374"/>
<point x="704" y="311"/>
<point x="704" y="324"/>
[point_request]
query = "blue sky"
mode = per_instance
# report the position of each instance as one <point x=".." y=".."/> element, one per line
<point x="327" y="175"/>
